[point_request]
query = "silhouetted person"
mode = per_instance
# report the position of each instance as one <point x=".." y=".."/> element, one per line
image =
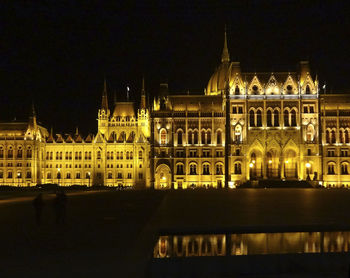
<point x="60" y="207"/>
<point x="38" y="204"/>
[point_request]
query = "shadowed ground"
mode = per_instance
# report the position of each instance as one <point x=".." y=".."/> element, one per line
<point x="113" y="233"/>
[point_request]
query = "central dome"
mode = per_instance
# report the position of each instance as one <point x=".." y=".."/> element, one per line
<point x="225" y="72"/>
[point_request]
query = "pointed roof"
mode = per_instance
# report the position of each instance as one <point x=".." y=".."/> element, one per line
<point x="143" y="95"/>
<point x="225" y="57"/>
<point x="104" y="104"/>
<point x="89" y="138"/>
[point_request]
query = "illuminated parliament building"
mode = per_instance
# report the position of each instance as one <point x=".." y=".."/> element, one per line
<point x="246" y="127"/>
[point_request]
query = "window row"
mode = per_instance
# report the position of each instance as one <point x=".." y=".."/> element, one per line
<point x="19" y="175"/>
<point x="88" y="155"/>
<point x="343" y="136"/>
<point x="272" y="117"/>
<point x="78" y="175"/>
<point x="180" y="169"/>
<point x="343" y="168"/>
<point x="11" y="153"/>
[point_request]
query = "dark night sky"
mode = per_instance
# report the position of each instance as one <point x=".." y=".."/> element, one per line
<point x="57" y="53"/>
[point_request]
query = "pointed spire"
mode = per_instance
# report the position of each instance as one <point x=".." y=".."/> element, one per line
<point x="104" y="104"/>
<point x="76" y="131"/>
<point x="143" y="95"/>
<point x="225" y="57"/>
<point x="33" y="110"/>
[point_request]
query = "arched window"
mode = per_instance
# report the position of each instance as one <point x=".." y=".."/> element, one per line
<point x="218" y="137"/>
<point x="341" y="136"/>
<point x="195" y="137"/>
<point x="163" y="137"/>
<point x="206" y="170"/>
<point x="127" y="155"/>
<point x="19" y="152"/>
<point x="219" y="169"/>
<point x="346" y="135"/>
<point x="344" y="169"/>
<point x="190" y="142"/>
<point x="131" y="155"/>
<point x="307" y="90"/>
<point x="208" y="137"/>
<point x="48" y="175"/>
<point x="140" y="155"/>
<point x="251" y="118"/>
<point x="203" y="137"/>
<point x="29" y="153"/>
<point x="328" y="138"/>
<point x="77" y="175"/>
<point x="289" y="89"/>
<point x="193" y="169"/>
<point x="58" y="175"/>
<point x="10" y="153"/>
<point x="68" y="176"/>
<point x="236" y="90"/>
<point x="293" y="118"/>
<point x="276" y="118"/>
<point x="98" y="155"/>
<point x="269" y="118"/>
<point x="179" y="137"/>
<point x="238" y="168"/>
<point x="286" y="118"/>
<point x="331" y="167"/>
<point x="258" y="118"/>
<point x="333" y="136"/>
<point x="1" y="152"/>
<point x="180" y="169"/>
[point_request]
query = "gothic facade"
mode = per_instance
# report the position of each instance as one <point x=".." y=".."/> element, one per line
<point x="245" y="127"/>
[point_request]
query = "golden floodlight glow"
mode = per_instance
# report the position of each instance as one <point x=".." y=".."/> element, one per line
<point x="251" y="165"/>
<point x="308" y="165"/>
<point x="270" y="161"/>
<point x="287" y="161"/>
<point x="253" y="161"/>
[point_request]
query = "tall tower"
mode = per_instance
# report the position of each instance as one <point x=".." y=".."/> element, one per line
<point x="143" y="113"/>
<point x="103" y="112"/>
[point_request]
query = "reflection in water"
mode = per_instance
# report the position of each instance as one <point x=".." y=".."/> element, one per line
<point x="251" y="244"/>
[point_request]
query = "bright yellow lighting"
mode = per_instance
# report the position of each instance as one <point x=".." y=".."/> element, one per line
<point x="270" y="161"/>
<point x="287" y="161"/>
<point x="163" y="178"/>
<point x="253" y="161"/>
<point x="308" y="165"/>
<point x="251" y="165"/>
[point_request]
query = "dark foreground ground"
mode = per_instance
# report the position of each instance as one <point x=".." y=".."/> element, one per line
<point x="112" y="233"/>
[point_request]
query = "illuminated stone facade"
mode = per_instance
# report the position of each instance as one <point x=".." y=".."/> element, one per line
<point x="278" y="127"/>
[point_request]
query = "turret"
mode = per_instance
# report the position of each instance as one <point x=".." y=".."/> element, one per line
<point x="104" y="112"/>
<point x="143" y="95"/>
<point x="143" y="113"/>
